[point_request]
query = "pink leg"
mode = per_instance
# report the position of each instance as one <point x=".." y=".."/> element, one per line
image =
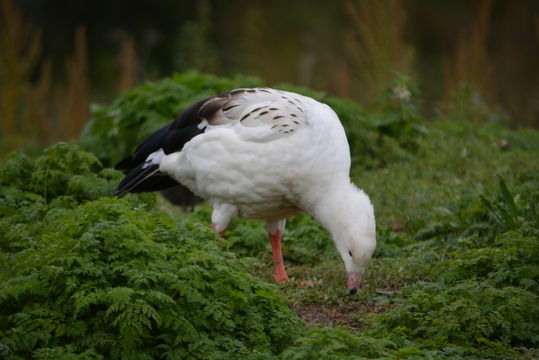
<point x="220" y="217"/>
<point x="220" y="233"/>
<point x="280" y="273"/>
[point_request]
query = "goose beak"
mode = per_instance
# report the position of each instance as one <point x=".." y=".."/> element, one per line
<point x="353" y="282"/>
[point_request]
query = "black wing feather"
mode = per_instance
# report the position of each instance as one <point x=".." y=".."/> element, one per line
<point x="135" y="178"/>
<point x="171" y="138"/>
<point x="145" y="148"/>
<point x="156" y="182"/>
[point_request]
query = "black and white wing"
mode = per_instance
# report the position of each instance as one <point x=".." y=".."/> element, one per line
<point x="259" y="114"/>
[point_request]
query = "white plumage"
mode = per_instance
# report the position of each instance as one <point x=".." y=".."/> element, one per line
<point x="264" y="154"/>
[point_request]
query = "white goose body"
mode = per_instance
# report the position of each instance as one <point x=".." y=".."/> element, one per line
<point x="266" y="154"/>
<point x="265" y="177"/>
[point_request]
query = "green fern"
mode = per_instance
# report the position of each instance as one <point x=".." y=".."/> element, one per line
<point x="111" y="279"/>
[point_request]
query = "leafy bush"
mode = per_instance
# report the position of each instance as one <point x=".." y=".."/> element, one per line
<point x="467" y="313"/>
<point x="337" y="344"/>
<point x="396" y="114"/>
<point x="99" y="279"/>
<point x="62" y="176"/>
<point x="59" y="171"/>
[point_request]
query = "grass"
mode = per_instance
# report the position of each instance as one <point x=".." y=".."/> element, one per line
<point x="456" y="159"/>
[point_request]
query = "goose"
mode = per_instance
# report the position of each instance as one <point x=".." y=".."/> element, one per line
<point x="262" y="153"/>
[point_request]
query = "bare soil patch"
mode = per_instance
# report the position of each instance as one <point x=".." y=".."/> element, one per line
<point x="349" y="315"/>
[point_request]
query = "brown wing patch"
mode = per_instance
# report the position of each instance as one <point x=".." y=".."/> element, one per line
<point x="211" y="108"/>
<point x="236" y="91"/>
<point x="229" y="107"/>
<point x="279" y="111"/>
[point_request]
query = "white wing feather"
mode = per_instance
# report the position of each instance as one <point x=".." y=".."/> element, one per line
<point x="263" y="114"/>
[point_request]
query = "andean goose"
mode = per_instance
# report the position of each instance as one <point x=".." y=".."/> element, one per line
<point x="263" y="154"/>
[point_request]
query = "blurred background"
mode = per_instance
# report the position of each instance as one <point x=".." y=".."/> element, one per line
<point x="57" y="57"/>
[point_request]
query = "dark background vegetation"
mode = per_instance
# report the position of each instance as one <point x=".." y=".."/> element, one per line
<point x="58" y="57"/>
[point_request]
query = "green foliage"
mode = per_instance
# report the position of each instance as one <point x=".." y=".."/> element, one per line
<point x="466" y="103"/>
<point x="396" y="113"/>
<point x="455" y="160"/>
<point x="467" y="313"/>
<point x="390" y="243"/>
<point x="52" y="173"/>
<point x="395" y="120"/>
<point x="487" y="270"/>
<point x="494" y="239"/>
<point x="109" y="279"/>
<point x="62" y="176"/>
<point x="337" y="344"/>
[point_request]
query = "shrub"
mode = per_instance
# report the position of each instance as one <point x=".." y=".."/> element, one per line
<point x="109" y="278"/>
<point x="468" y="313"/>
<point x="62" y="176"/>
<point x="340" y="344"/>
<point x="337" y="344"/>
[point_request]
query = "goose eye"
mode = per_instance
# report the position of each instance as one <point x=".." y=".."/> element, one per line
<point x="350" y="252"/>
